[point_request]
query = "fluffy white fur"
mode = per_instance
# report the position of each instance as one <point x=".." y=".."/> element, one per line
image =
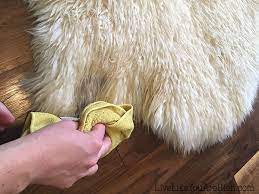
<point x="188" y="66"/>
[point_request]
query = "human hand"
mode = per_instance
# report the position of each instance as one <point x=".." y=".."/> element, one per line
<point x="6" y="117"/>
<point x="64" y="154"/>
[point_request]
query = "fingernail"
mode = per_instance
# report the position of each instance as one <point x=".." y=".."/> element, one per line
<point x="100" y="125"/>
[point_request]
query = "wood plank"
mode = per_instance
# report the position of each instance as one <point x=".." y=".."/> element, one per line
<point x="11" y="93"/>
<point x="138" y="146"/>
<point x="15" y="48"/>
<point x="247" y="177"/>
<point x="14" y="53"/>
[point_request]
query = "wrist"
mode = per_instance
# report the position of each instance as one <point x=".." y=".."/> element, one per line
<point x="34" y="164"/>
<point x="18" y="165"/>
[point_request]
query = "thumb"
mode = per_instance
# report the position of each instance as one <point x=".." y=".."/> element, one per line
<point x="98" y="132"/>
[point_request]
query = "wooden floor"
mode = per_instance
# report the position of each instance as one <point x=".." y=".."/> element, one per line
<point x="143" y="164"/>
<point x="249" y="174"/>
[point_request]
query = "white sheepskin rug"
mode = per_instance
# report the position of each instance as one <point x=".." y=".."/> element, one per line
<point x="188" y="66"/>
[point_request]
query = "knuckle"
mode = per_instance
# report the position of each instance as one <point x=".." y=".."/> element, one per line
<point x="92" y="161"/>
<point x="61" y="186"/>
<point x="96" y="168"/>
<point x="67" y="124"/>
<point x="97" y="144"/>
<point x="67" y="184"/>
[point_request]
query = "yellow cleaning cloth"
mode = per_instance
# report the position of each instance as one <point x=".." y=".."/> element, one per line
<point x="118" y="120"/>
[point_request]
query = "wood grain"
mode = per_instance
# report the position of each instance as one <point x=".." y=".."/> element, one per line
<point x="143" y="164"/>
<point x="248" y="176"/>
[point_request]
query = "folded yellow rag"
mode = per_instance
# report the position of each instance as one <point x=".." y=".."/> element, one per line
<point x="117" y="118"/>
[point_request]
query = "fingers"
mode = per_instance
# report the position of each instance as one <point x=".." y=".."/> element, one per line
<point x="6" y="117"/>
<point x="105" y="147"/>
<point x="98" y="132"/>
